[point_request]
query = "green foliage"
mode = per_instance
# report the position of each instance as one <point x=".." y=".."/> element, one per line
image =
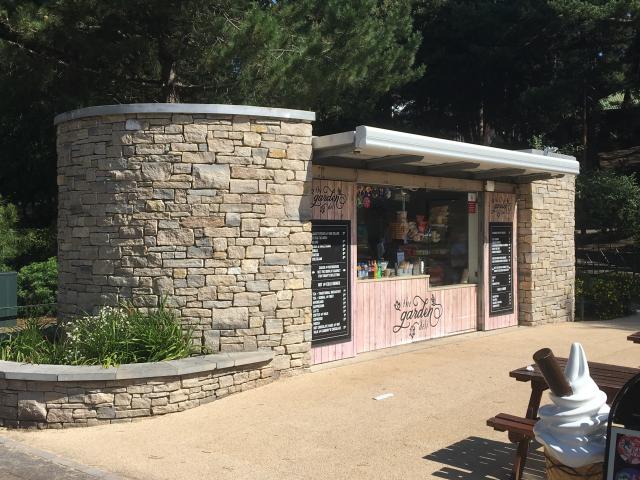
<point x="500" y="71"/>
<point x="37" y="285"/>
<point x="609" y="295"/>
<point x="337" y="58"/>
<point x="608" y="201"/>
<point x="21" y="246"/>
<point x="126" y="335"/>
<point x="489" y="71"/>
<point x="114" y="336"/>
<point x="30" y="344"/>
<point x="8" y="234"/>
<point x="35" y="245"/>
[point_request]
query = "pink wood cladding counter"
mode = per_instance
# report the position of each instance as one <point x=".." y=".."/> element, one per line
<point x="402" y="310"/>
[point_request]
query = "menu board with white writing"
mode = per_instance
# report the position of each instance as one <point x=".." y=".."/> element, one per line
<point x="500" y="268"/>
<point x="330" y="289"/>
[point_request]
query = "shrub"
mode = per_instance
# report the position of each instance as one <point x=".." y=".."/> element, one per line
<point x="35" y="245"/>
<point x="608" y="295"/>
<point x="114" y="336"/>
<point x="37" y="285"/>
<point x="8" y="234"/>
<point x="608" y="201"/>
<point x="127" y="335"/>
<point x="33" y="343"/>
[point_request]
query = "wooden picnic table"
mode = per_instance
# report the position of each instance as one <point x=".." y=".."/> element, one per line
<point x="610" y="379"/>
<point x="634" y="337"/>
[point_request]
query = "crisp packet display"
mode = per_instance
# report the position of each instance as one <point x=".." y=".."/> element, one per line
<point x="628" y="448"/>
<point x="628" y="474"/>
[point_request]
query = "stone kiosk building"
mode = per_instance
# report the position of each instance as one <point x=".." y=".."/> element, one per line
<point x="282" y="250"/>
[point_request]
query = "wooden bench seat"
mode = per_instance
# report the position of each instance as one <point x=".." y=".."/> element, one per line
<point x="520" y="431"/>
<point x="634" y="337"/>
<point x="503" y="422"/>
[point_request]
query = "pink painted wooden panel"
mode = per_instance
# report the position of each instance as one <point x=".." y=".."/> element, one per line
<point x="396" y="312"/>
<point x="509" y="214"/>
<point x="347" y="211"/>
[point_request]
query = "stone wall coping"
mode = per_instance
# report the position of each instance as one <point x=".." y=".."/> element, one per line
<point x="171" y="368"/>
<point x="185" y="108"/>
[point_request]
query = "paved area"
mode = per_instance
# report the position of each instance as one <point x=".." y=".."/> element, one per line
<point x="21" y="462"/>
<point x="326" y="424"/>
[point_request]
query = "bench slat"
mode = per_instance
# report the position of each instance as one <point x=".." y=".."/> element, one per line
<point x="504" y="422"/>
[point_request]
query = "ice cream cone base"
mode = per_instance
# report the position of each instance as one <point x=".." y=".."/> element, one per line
<point x="558" y="471"/>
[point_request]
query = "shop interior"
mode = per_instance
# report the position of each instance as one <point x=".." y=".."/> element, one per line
<point x="409" y="232"/>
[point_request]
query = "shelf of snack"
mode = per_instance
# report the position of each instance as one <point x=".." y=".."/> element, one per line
<point x="416" y="246"/>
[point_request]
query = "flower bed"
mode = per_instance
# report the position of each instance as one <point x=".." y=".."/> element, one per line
<point x="62" y="396"/>
<point x="119" y="365"/>
<point x="124" y="334"/>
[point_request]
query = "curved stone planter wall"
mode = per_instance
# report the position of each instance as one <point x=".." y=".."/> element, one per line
<point x="62" y="396"/>
<point x="206" y="204"/>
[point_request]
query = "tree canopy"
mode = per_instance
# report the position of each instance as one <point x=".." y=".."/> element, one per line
<point x="334" y="57"/>
<point x="501" y="72"/>
<point x="555" y="72"/>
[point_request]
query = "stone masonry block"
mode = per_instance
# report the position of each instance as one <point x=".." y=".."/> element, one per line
<point x="211" y="176"/>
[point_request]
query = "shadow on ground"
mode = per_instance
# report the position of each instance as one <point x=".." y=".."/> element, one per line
<point x="479" y="458"/>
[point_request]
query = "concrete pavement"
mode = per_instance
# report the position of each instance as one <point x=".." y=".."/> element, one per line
<point x="326" y="424"/>
<point x="22" y="462"/>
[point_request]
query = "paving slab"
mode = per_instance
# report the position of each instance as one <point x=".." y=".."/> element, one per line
<point x="326" y="424"/>
<point x="20" y="462"/>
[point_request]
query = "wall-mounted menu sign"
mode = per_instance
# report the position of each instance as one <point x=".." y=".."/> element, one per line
<point x="500" y="268"/>
<point x="330" y="289"/>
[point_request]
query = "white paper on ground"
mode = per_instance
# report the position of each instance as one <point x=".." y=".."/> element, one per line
<point x="384" y="396"/>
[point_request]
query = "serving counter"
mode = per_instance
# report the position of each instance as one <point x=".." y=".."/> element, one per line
<point x="466" y="258"/>
<point x="397" y="310"/>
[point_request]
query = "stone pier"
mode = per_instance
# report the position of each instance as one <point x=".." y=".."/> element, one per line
<point x="206" y="205"/>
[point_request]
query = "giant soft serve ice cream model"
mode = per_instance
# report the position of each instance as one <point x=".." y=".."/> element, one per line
<point x="573" y="428"/>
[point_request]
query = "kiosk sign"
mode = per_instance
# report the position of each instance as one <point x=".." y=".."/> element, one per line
<point x="330" y="289"/>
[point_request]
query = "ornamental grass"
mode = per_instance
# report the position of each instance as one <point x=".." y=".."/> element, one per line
<point x="116" y="335"/>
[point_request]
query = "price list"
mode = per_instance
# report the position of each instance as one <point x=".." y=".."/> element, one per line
<point x="500" y="268"/>
<point x="330" y="292"/>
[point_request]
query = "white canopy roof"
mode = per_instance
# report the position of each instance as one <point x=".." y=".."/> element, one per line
<point x="389" y="150"/>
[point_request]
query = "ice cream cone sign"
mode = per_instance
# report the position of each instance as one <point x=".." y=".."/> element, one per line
<point x="572" y="428"/>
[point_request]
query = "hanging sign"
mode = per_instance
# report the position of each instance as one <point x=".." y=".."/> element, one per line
<point x="327" y="198"/>
<point x="500" y="268"/>
<point x="330" y="281"/>
<point x="501" y="207"/>
<point x="622" y="454"/>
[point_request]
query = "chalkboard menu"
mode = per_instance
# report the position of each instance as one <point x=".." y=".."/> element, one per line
<point x="500" y="268"/>
<point x="330" y="289"/>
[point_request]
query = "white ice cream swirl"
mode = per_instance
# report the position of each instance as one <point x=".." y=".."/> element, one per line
<point x="573" y="429"/>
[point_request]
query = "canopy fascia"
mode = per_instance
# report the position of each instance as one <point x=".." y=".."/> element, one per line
<point x="379" y="149"/>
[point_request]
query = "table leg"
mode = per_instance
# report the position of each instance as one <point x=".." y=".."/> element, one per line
<point x="523" y="443"/>
<point x="534" y="400"/>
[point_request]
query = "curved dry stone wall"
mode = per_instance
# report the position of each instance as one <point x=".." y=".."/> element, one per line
<point x="205" y="204"/>
<point x="55" y="396"/>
